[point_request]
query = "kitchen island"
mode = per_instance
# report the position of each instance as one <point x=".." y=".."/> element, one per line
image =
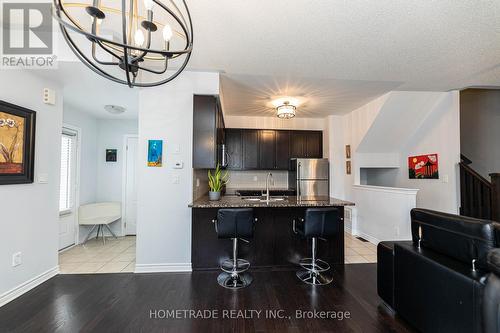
<point x="274" y="244"/>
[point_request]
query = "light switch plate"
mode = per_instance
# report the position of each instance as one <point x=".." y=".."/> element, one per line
<point x="43" y="178"/>
<point x="16" y="259"/>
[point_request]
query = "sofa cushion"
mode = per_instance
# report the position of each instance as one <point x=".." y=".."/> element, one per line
<point x="459" y="237"/>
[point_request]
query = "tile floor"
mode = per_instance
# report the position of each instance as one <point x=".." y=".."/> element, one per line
<point x="359" y="252"/>
<point x="117" y="255"/>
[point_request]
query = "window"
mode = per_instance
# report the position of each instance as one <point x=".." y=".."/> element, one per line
<point x="68" y="167"/>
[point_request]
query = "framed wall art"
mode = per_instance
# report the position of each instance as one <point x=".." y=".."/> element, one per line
<point x="111" y="155"/>
<point x="17" y="144"/>
<point x="423" y="167"/>
<point x="155" y="152"/>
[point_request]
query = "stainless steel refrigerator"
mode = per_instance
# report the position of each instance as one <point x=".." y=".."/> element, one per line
<point x="309" y="177"/>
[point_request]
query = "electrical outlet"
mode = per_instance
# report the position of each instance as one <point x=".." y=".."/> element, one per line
<point x="255" y="178"/>
<point x="176" y="180"/>
<point x="197" y="182"/>
<point x="16" y="259"/>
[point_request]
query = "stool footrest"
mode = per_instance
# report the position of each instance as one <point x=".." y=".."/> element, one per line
<point x="242" y="265"/>
<point x="318" y="265"/>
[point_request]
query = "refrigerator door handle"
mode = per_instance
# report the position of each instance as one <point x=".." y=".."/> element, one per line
<point x="298" y="179"/>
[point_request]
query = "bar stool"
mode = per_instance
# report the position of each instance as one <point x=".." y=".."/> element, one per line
<point x="235" y="224"/>
<point x="319" y="223"/>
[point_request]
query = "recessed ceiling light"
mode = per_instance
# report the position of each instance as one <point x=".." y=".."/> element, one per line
<point x="114" y="109"/>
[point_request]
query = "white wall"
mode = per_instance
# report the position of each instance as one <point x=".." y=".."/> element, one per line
<point x="164" y="218"/>
<point x="109" y="174"/>
<point x="88" y="153"/>
<point x="479" y="129"/>
<point x="440" y="133"/>
<point x="30" y="212"/>
<point x="436" y="131"/>
<point x="100" y="180"/>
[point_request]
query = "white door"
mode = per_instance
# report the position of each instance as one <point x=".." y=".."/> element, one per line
<point x="130" y="217"/>
<point x="68" y="188"/>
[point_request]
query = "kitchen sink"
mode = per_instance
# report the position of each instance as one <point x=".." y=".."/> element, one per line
<point x="263" y="199"/>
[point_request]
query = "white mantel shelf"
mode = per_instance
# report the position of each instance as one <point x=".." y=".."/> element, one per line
<point x="400" y="190"/>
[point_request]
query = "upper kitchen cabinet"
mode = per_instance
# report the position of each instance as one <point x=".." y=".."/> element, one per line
<point x="208" y="132"/>
<point x="267" y="149"/>
<point x="314" y="144"/>
<point x="250" y="145"/>
<point x="306" y="144"/>
<point x="282" y="151"/>
<point x="234" y="148"/>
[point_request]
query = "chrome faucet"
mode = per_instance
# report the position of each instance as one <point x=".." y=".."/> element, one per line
<point x="269" y="175"/>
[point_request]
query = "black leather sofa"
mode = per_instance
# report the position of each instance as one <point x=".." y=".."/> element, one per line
<point x="447" y="278"/>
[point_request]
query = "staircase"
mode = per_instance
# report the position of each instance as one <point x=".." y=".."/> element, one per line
<point x="479" y="197"/>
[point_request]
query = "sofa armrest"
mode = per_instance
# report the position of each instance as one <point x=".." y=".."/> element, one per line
<point x="491" y="299"/>
<point x="385" y="271"/>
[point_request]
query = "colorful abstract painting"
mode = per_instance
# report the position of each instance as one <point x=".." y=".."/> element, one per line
<point x="17" y="132"/>
<point x="155" y="150"/>
<point x="423" y="167"/>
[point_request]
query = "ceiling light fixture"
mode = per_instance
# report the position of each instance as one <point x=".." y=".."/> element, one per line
<point x="125" y="40"/>
<point x="286" y="110"/>
<point x="114" y="109"/>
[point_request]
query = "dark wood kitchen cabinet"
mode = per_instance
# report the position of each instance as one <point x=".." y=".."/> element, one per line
<point x="208" y="131"/>
<point x="306" y="144"/>
<point x="314" y="144"/>
<point x="234" y="149"/>
<point x="267" y="149"/>
<point x="282" y="150"/>
<point x="250" y="149"/>
<point x="250" y="145"/>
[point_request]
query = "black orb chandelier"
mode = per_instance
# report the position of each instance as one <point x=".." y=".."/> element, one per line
<point x="140" y="43"/>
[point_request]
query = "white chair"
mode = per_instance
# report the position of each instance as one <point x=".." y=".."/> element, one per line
<point x="99" y="215"/>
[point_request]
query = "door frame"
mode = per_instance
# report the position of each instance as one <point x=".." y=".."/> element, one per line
<point x="78" y="132"/>
<point x="124" y="177"/>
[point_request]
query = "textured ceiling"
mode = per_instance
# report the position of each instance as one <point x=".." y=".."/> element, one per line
<point x="426" y="45"/>
<point x="337" y="53"/>
<point x="88" y="92"/>
<point x="250" y="95"/>
<point x="343" y="53"/>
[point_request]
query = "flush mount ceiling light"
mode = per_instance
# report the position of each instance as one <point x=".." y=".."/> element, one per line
<point x="285" y="107"/>
<point x="114" y="109"/>
<point x="138" y="43"/>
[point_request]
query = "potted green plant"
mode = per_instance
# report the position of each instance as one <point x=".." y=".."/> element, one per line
<point x="216" y="182"/>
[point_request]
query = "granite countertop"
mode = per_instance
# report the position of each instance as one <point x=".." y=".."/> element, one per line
<point x="233" y="201"/>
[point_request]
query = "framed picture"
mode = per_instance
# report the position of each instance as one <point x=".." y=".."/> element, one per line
<point x="155" y="151"/>
<point x="348" y="167"/>
<point x="423" y="167"/>
<point x="111" y="155"/>
<point x="348" y="151"/>
<point x="17" y="144"/>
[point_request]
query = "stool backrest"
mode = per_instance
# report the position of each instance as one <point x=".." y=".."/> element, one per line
<point x="321" y="222"/>
<point x="235" y="223"/>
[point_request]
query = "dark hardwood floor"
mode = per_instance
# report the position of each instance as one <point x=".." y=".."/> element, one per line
<point x="125" y="303"/>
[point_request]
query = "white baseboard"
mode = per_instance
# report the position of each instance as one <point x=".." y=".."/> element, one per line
<point x="27" y="286"/>
<point x="160" y="268"/>
<point x="369" y="238"/>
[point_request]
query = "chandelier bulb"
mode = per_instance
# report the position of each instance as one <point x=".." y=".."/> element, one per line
<point x="167" y="33"/>
<point x="148" y="4"/>
<point x="139" y="37"/>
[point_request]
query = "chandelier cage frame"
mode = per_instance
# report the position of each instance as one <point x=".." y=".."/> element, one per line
<point x="127" y="61"/>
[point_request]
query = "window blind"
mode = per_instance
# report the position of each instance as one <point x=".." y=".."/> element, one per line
<point x="67" y="182"/>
